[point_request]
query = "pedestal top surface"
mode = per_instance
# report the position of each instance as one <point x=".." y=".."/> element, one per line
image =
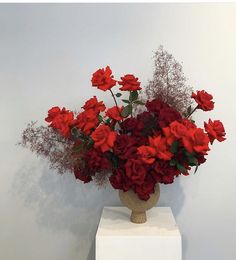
<point x="115" y="221"/>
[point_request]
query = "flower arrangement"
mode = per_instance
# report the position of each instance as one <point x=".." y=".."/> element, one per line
<point x="133" y="149"/>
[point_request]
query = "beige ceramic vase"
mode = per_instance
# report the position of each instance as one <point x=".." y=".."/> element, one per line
<point x="139" y="207"/>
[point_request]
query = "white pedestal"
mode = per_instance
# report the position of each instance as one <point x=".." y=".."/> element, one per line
<point x="119" y="239"/>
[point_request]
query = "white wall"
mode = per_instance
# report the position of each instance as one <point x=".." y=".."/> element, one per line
<point x="47" y="55"/>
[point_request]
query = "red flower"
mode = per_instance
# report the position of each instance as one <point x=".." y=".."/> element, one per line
<point x="204" y="100"/>
<point x="188" y="124"/>
<point x="125" y="146"/>
<point x="115" y="113"/>
<point x="168" y="115"/>
<point x="86" y="121"/>
<point x="135" y="170"/>
<point x="146" y="188"/>
<point x="196" y="140"/>
<point x="79" y="174"/>
<point x="97" y="161"/>
<point x="155" y="106"/>
<point x="215" y="130"/>
<point x="119" y="180"/>
<point x="93" y="104"/>
<point x="177" y="129"/>
<point x="147" y="153"/>
<point x="160" y="144"/>
<point x="103" y="79"/>
<point x="130" y="83"/>
<point x="164" y="173"/>
<point x="170" y="138"/>
<point x="104" y="138"/>
<point x="62" y="120"/>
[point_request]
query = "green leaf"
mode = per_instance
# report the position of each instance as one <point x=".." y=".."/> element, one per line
<point x="192" y="161"/>
<point x="118" y="94"/>
<point x="139" y="102"/>
<point x="196" y="168"/>
<point x="189" y="110"/>
<point x="126" y="111"/>
<point x="181" y="167"/>
<point x="174" y="147"/>
<point x="78" y="148"/>
<point x="126" y="101"/>
<point x="173" y="162"/>
<point x="100" y="118"/>
<point x="133" y="95"/>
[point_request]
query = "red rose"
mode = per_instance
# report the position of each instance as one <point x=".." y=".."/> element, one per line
<point x="62" y="120"/>
<point x="97" y="161"/>
<point x="170" y="138"/>
<point x="119" y="180"/>
<point x="135" y="170"/>
<point x="160" y="145"/>
<point x="188" y="124"/>
<point x="86" y="121"/>
<point x="147" y="154"/>
<point x="125" y="146"/>
<point x="196" y="140"/>
<point x="129" y="83"/>
<point x="155" y="106"/>
<point x="164" y="173"/>
<point x="79" y="174"/>
<point x="103" y="79"/>
<point x="144" y="190"/>
<point x="93" y="104"/>
<point x="115" y="113"/>
<point x="215" y="130"/>
<point x="177" y="129"/>
<point x="168" y="115"/>
<point x="204" y="100"/>
<point x="104" y="138"/>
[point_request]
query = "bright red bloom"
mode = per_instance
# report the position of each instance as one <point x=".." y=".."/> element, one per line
<point x="197" y="141"/>
<point x="147" y="153"/>
<point x="188" y="124"/>
<point x="204" y="100"/>
<point x="135" y="170"/>
<point x="61" y="119"/>
<point x="160" y="144"/>
<point x="103" y="79"/>
<point x="93" y="104"/>
<point x="215" y="130"/>
<point x="177" y="129"/>
<point x="87" y="121"/>
<point x="115" y="113"/>
<point x="104" y="138"/>
<point x="170" y="138"/>
<point x="129" y="83"/>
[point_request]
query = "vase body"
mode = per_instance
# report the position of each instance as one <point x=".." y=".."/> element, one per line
<point x="139" y="207"/>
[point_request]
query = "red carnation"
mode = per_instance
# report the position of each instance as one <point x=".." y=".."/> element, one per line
<point x="103" y="79"/>
<point x="115" y="113"/>
<point x="135" y="170"/>
<point x="104" y="138"/>
<point x="93" y="104"/>
<point x="204" y="100"/>
<point x="215" y="130"/>
<point x="129" y="83"/>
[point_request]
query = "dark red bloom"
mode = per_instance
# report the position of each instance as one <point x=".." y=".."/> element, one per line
<point x="119" y="180"/>
<point x="215" y="130"/>
<point x="168" y="115"/>
<point x="125" y="146"/>
<point x="204" y="100"/>
<point x="97" y="161"/>
<point x="155" y="106"/>
<point x="103" y="79"/>
<point x="164" y="173"/>
<point x="146" y="188"/>
<point x="135" y="170"/>
<point x="129" y="83"/>
<point x="81" y="175"/>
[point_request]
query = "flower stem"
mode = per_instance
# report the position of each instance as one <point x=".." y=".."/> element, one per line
<point x="116" y="104"/>
<point x="192" y="111"/>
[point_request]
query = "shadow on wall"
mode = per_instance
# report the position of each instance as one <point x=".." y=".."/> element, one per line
<point x="62" y="204"/>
